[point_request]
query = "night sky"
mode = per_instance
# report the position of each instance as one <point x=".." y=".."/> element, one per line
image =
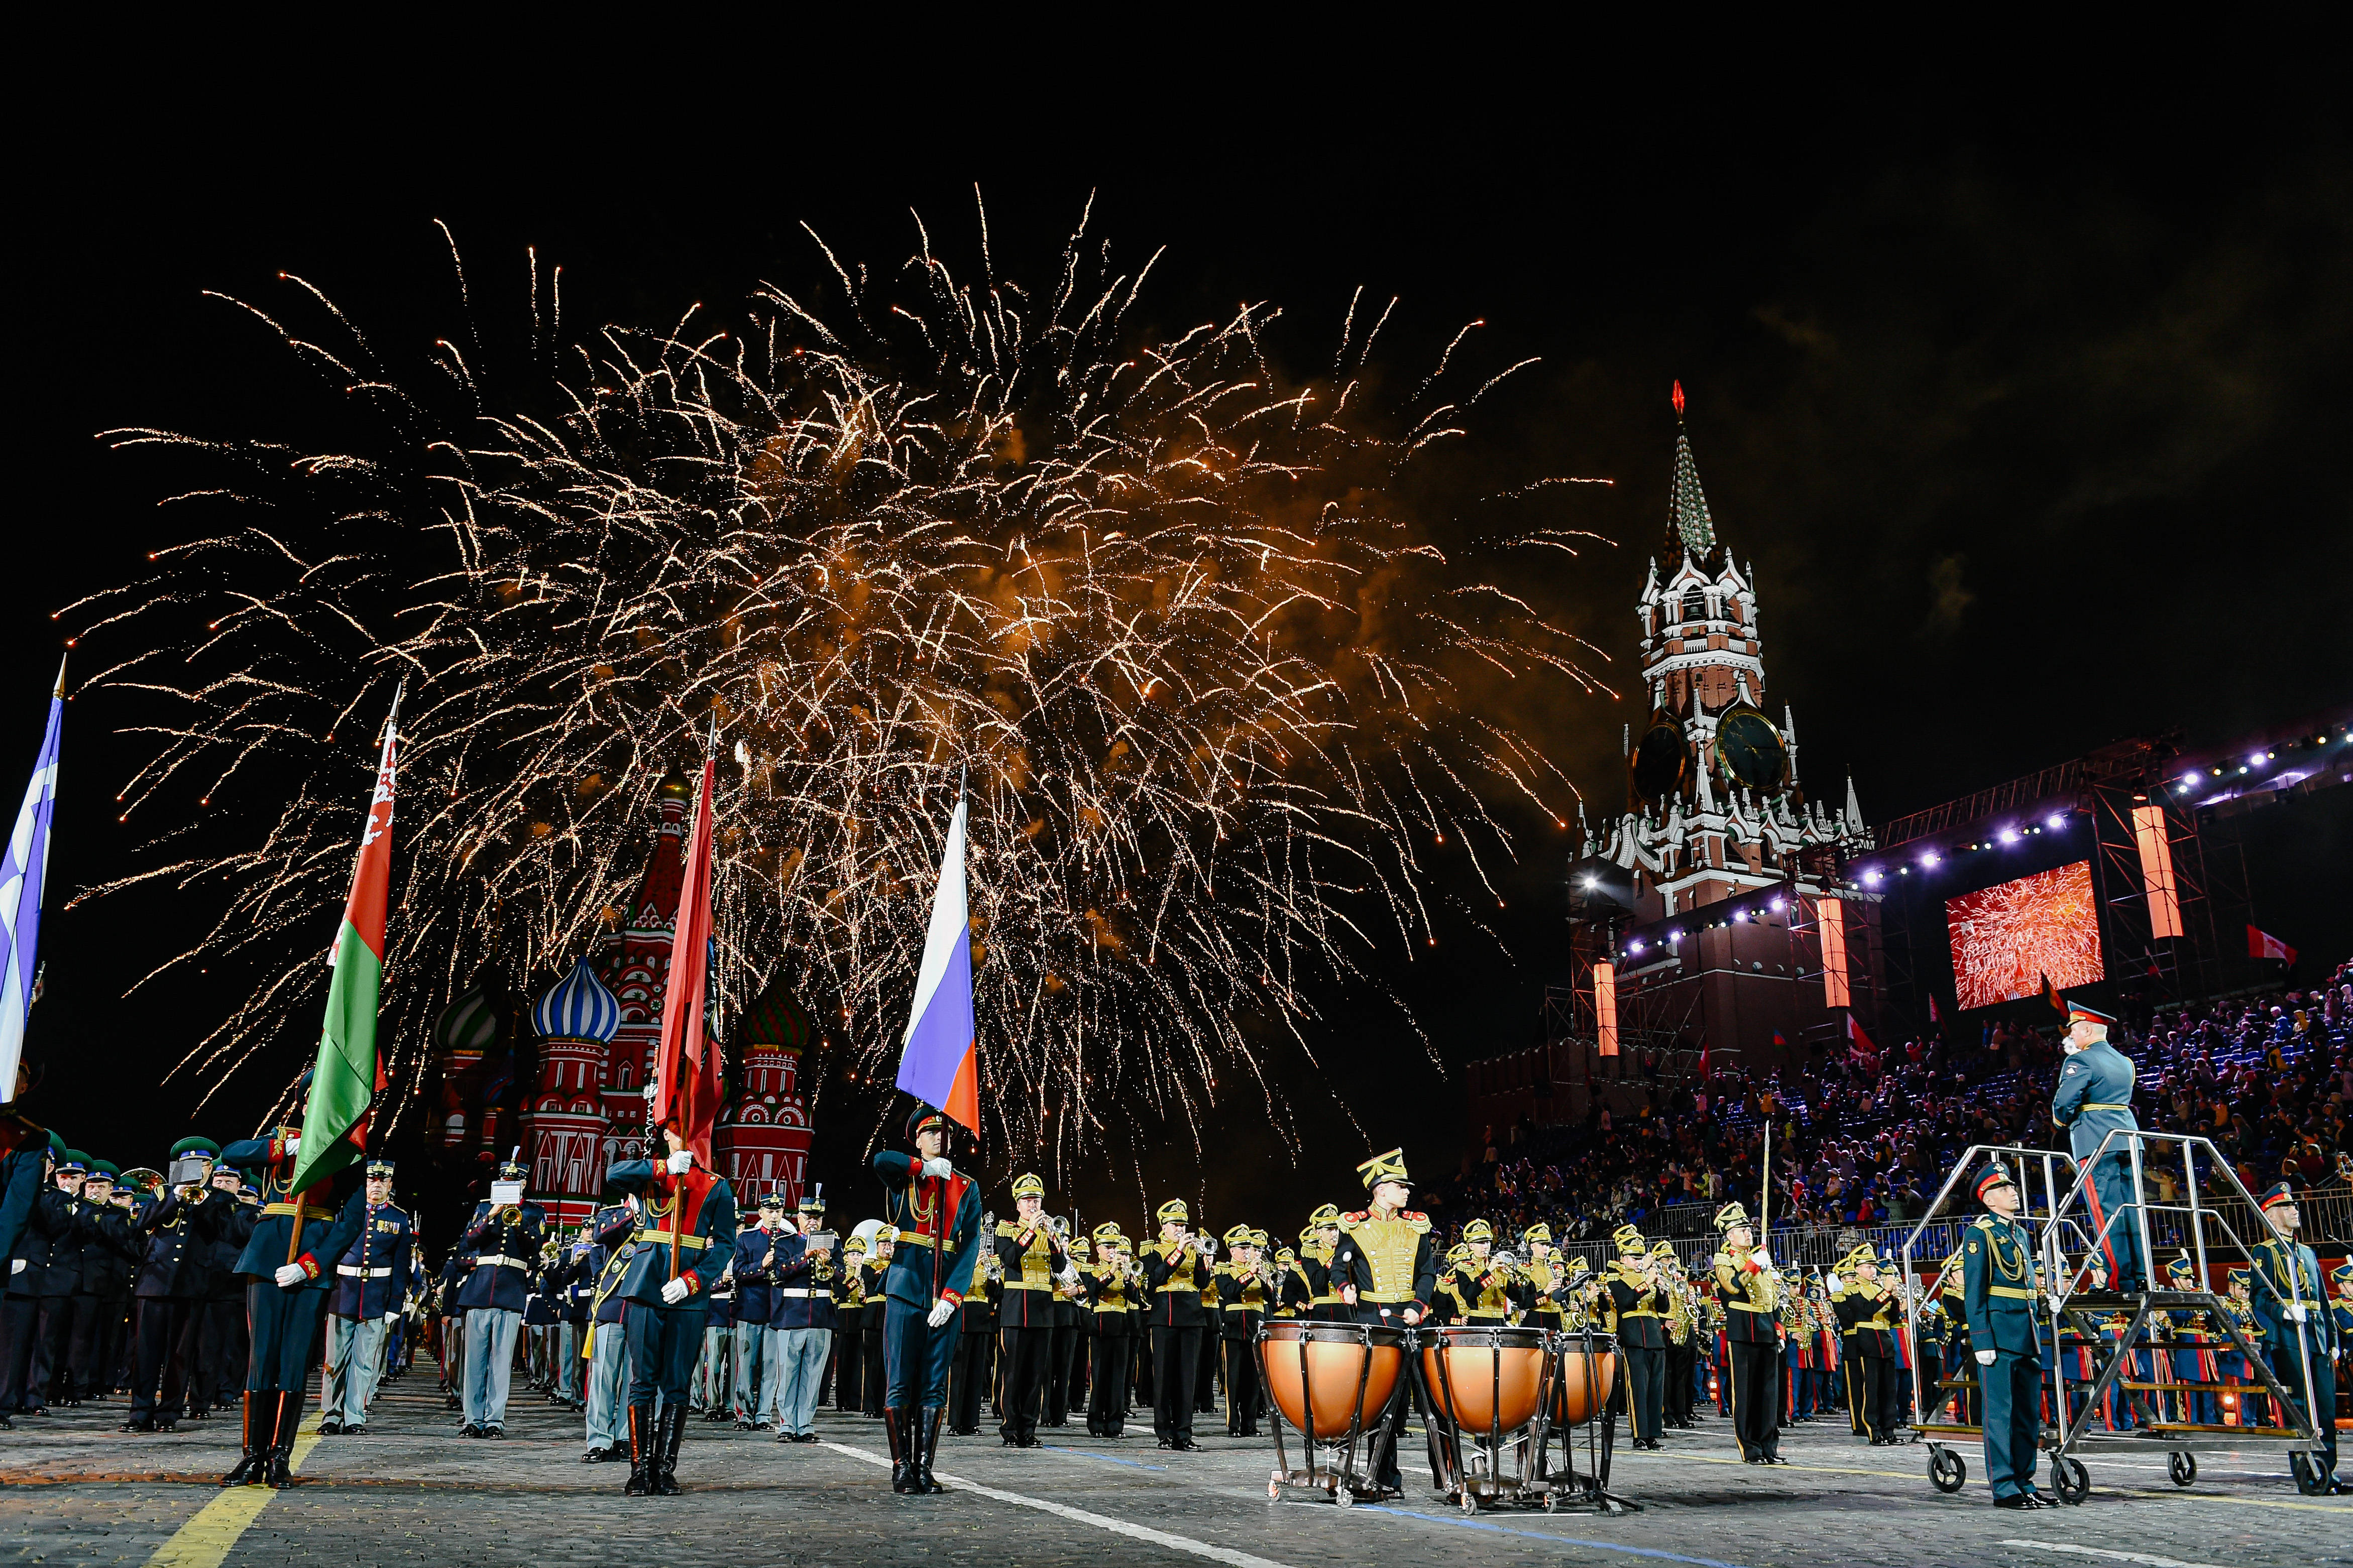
<point x="2033" y="424"/>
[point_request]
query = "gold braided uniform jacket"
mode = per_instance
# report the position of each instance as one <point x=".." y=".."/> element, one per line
<point x="1751" y="1301"/>
<point x="1538" y="1277"/>
<point x="1393" y="1254"/>
<point x="1482" y="1294"/>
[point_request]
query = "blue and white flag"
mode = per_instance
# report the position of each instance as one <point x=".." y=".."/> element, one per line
<point x="21" y="874"/>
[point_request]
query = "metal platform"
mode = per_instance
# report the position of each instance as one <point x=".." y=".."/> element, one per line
<point x="2053" y="1203"/>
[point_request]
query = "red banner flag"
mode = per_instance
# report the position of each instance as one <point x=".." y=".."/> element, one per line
<point x="686" y="1062"/>
<point x="2263" y="944"/>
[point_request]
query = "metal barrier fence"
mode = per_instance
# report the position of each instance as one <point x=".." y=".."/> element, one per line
<point x="2327" y="1215"/>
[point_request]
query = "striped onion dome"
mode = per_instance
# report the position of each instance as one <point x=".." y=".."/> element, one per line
<point x="578" y="1007"/>
<point x="469" y="1024"/>
<point x="777" y="1018"/>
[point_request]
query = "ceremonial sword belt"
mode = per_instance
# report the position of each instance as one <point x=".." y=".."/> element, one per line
<point x="356" y="1272"/>
<point x="308" y="1210"/>
<point x="799" y="1294"/>
<point x="915" y="1238"/>
<point x="496" y="1259"/>
<point x="1387" y="1298"/>
<point x="2009" y="1292"/>
<point x="664" y="1237"/>
<point x="2101" y="1105"/>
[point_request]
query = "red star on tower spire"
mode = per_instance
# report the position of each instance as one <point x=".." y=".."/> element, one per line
<point x="1679" y="400"/>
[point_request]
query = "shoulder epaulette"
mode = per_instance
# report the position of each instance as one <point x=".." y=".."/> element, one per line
<point x="1351" y="1220"/>
<point x="1005" y="1229"/>
<point x="1720" y="1259"/>
<point x="1420" y="1222"/>
<point x="1983" y="1222"/>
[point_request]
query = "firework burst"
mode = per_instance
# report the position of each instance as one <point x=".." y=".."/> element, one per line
<point x="1213" y="689"/>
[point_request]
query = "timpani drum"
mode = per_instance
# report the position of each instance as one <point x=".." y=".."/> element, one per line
<point x="1484" y="1380"/>
<point x="1329" y="1383"/>
<point x="1589" y="1370"/>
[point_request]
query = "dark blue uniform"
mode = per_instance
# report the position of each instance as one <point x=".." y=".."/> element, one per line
<point x="284" y="1321"/>
<point x="170" y="1289"/>
<point x="686" y="1233"/>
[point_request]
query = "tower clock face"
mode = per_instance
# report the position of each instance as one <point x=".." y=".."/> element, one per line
<point x="1662" y="759"/>
<point x="1751" y="749"/>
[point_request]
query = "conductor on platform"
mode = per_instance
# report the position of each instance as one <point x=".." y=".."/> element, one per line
<point x="2094" y="1100"/>
<point x="1998" y="1297"/>
<point x="936" y="1213"/>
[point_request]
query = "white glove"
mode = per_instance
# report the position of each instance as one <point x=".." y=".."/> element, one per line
<point x="941" y="1312"/>
<point x="936" y="1166"/>
<point x="1985" y="1358"/>
<point x="15" y="1266"/>
<point x="674" y="1293"/>
<point x="1412" y="1316"/>
<point x="681" y="1162"/>
<point x="294" y="1145"/>
<point x="2295" y="1314"/>
<point x="1834" y="1282"/>
<point x="291" y="1274"/>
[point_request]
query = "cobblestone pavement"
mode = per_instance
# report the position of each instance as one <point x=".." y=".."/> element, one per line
<point x="73" y="1491"/>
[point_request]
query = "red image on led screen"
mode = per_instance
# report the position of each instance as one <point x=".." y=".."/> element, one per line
<point x="2008" y="936"/>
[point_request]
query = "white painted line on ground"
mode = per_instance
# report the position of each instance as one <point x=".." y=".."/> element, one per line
<point x="1481" y="1524"/>
<point x="2144" y="1559"/>
<point x="1117" y="1526"/>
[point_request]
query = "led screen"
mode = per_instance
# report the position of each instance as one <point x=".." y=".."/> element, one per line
<point x="2008" y="936"/>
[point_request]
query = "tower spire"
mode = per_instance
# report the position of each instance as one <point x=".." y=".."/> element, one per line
<point x="1690" y="529"/>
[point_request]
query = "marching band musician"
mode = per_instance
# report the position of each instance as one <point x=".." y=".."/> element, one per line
<point x="800" y="1332"/>
<point x="850" y="1331"/>
<point x="1676" y="1396"/>
<point x="1484" y="1289"/>
<point x="1210" y="1370"/>
<point x="170" y="1290"/>
<point x="873" y="1281"/>
<point x="1031" y="1257"/>
<point x="1111" y="1293"/>
<point x="1747" y="1287"/>
<point x="2192" y="1353"/>
<point x="976" y="1342"/>
<point x="1316" y="1245"/>
<point x="1387" y="1275"/>
<point x="1541" y="1277"/>
<point x="370" y="1290"/>
<point x="1246" y="1288"/>
<point x="594" y="1267"/>
<point x="499" y="1246"/>
<point x="1640" y="1301"/>
<point x="1863" y="1313"/>
<point x="1177" y="1270"/>
<point x="1071" y="1322"/>
<point x="754" y="1352"/>
<point x="1446" y="1304"/>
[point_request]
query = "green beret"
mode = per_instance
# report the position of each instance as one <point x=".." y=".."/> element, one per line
<point x="203" y="1146"/>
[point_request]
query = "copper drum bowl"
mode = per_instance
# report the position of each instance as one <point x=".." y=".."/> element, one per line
<point x="1583" y="1390"/>
<point x="1484" y="1379"/>
<point x="1326" y="1365"/>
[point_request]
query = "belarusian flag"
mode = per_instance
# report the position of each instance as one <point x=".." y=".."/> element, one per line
<point x="348" y="1074"/>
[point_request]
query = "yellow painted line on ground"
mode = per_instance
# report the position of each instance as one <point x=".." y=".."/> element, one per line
<point x="208" y="1538"/>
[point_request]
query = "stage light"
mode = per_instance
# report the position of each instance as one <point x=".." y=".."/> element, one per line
<point x="1928" y="860"/>
<point x="2188" y="779"/>
<point x="2009" y="836"/>
<point x="1593" y="881"/>
<point x="2242" y="767"/>
<point x="1635" y="946"/>
<point x="1870" y="879"/>
<point x="1903" y="870"/>
<point x="1776" y="906"/>
<point x="2058" y="819"/>
<point x="1740" y="915"/>
<point x="1674" y="936"/>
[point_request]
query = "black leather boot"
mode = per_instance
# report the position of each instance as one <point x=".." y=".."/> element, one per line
<point x="673" y="1436"/>
<point x="641" y="1451"/>
<point x="287" y="1416"/>
<point x="902" y="1463"/>
<point x="928" y="1434"/>
<point x="250" y="1468"/>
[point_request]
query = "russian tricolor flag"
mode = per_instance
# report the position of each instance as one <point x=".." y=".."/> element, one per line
<point x="939" y="1062"/>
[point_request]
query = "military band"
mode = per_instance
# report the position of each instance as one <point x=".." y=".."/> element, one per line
<point x="617" y="1319"/>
